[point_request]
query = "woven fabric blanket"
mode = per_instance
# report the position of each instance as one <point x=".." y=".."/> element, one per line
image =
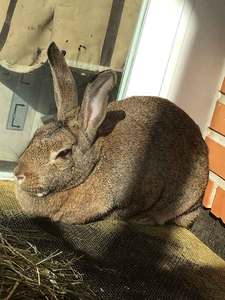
<point x="124" y="260"/>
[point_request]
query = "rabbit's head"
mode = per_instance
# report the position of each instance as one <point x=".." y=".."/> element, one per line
<point x="63" y="152"/>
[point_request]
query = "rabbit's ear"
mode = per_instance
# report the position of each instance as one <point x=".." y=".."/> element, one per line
<point x="95" y="101"/>
<point x="65" y="89"/>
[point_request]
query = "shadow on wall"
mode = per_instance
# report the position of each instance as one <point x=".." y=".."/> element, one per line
<point x="36" y="87"/>
<point x="200" y="69"/>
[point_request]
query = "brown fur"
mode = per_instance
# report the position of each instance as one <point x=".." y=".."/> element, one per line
<point x="142" y="156"/>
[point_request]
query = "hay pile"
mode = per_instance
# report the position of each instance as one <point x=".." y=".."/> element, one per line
<point x="25" y="273"/>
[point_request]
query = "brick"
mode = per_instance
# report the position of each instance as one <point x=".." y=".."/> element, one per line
<point x="216" y="157"/>
<point x="222" y="90"/>
<point x="208" y="197"/>
<point x="218" y="119"/>
<point x="218" y="206"/>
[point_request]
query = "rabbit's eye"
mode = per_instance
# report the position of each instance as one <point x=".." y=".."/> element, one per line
<point x="64" y="153"/>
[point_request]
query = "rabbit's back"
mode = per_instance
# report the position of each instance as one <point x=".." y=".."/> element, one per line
<point x="154" y="158"/>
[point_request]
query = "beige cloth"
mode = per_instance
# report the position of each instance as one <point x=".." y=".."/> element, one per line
<point x="34" y="24"/>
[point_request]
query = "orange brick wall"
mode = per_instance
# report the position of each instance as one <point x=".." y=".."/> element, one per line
<point x="216" y="157"/>
<point x="218" y="119"/>
<point x="214" y="198"/>
<point x="222" y="90"/>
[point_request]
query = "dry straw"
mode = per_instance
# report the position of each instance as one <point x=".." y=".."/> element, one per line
<point x="26" y="273"/>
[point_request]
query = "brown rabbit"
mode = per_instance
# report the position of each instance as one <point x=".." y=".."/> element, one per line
<point x="142" y="156"/>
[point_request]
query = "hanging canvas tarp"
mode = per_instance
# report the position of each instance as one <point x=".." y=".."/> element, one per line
<point x="95" y="34"/>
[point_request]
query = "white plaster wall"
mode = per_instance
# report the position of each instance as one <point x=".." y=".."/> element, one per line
<point x="12" y="142"/>
<point x="32" y="88"/>
<point x="155" y="47"/>
<point x="181" y="55"/>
